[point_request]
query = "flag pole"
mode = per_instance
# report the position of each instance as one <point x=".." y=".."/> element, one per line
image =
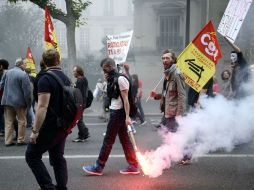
<point x="155" y="88"/>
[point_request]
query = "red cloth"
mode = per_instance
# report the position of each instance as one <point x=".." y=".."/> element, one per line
<point x="216" y="88"/>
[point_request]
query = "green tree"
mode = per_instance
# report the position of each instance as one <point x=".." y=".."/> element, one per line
<point x="71" y="18"/>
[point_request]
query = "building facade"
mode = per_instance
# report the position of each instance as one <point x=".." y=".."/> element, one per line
<point x="101" y="18"/>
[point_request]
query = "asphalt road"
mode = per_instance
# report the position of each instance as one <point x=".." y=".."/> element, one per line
<point x="217" y="171"/>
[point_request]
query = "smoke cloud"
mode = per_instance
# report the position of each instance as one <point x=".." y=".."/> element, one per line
<point x="220" y="125"/>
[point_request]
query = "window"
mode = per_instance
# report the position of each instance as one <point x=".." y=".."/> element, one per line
<point x="84" y="41"/>
<point x="108" y="9"/>
<point x="169" y="33"/>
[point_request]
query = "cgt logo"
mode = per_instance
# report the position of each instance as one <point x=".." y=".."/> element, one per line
<point x="210" y="47"/>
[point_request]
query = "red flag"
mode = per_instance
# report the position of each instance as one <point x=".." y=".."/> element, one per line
<point x="206" y="41"/>
<point x="50" y="35"/>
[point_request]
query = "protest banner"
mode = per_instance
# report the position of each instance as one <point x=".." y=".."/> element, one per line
<point x="118" y="46"/>
<point x="233" y="18"/>
<point x="197" y="61"/>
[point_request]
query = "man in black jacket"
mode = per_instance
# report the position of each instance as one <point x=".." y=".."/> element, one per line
<point x="82" y="84"/>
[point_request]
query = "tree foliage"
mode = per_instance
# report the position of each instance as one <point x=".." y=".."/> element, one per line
<point x="71" y="18"/>
<point x="74" y="9"/>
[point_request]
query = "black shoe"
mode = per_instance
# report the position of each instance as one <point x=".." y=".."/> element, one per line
<point x="12" y="144"/>
<point x="21" y="144"/>
<point x="157" y="126"/>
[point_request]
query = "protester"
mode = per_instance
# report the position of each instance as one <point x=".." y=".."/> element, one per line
<point x="172" y="97"/>
<point x="30" y="112"/>
<point x="4" y="64"/>
<point x="98" y="91"/>
<point x="240" y="71"/>
<point x="82" y="84"/>
<point x="226" y="88"/>
<point x="137" y="93"/>
<point x="46" y="136"/>
<point x="17" y="98"/>
<point x="118" y="122"/>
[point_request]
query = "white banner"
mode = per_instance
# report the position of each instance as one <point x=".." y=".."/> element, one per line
<point x="233" y="17"/>
<point x="118" y="46"/>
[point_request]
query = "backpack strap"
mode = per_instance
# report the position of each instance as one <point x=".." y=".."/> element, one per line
<point x="57" y="78"/>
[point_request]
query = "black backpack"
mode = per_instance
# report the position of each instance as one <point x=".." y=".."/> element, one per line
<point x="113" y="91"/>
<point x="89" y="98"/>
<point x="72" y="105"/>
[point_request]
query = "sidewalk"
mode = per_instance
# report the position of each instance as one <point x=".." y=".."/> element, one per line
<point x="151" y="108"/>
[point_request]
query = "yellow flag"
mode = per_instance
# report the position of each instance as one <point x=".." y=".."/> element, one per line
<point x="30" y="63"/>
<point x="197" y="61"/>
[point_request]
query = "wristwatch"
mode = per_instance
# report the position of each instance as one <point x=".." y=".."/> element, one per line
<point x="34" y="131"/>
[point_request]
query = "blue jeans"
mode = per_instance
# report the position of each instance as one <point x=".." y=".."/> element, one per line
<point x="116" y="126"/>
<point x="30" y="116"/>
<point x="53" y="141"/>
<point x="140" y="112"/>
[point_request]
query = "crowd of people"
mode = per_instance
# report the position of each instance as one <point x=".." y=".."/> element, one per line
<point x="117" y="91"/>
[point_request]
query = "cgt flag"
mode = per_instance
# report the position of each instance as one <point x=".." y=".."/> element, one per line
<point x="197" y="61"/>
<point x="50" y="34"/>
<point x="30" y="63"/>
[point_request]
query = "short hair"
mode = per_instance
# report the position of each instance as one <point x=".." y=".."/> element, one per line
<point x="50" y="57"/>
<point x="4" y="63"/>
<point x="172" y="53"/>
<point x="222" y="74"/>
<point x="108" y="61"/>
<point x="42" y="65"/>
<point x="79" y="70"/>
<point x="19" y="62"/>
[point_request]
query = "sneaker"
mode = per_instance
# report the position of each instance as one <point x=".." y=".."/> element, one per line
<point x="93" y="169"/>
<point x="130" y="170"/>
<point x="79" y="140"/>
<point x="143" y="123"/>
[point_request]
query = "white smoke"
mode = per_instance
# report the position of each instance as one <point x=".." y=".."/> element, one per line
<point x="221" y="124"/>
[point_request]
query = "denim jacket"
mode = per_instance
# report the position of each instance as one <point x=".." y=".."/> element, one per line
<point x="16" y="87"/>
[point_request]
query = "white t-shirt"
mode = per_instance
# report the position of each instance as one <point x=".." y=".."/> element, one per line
<point x="117" y="104"/>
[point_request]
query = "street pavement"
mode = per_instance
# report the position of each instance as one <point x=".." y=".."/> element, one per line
<point x="216" y="171"/>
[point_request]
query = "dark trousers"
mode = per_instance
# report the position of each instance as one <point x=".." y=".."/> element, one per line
<point x="170" y="124"/>
<point x="83" y="132"/>
<point x="52" y="141"/>
<point x="116" y="126"/>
